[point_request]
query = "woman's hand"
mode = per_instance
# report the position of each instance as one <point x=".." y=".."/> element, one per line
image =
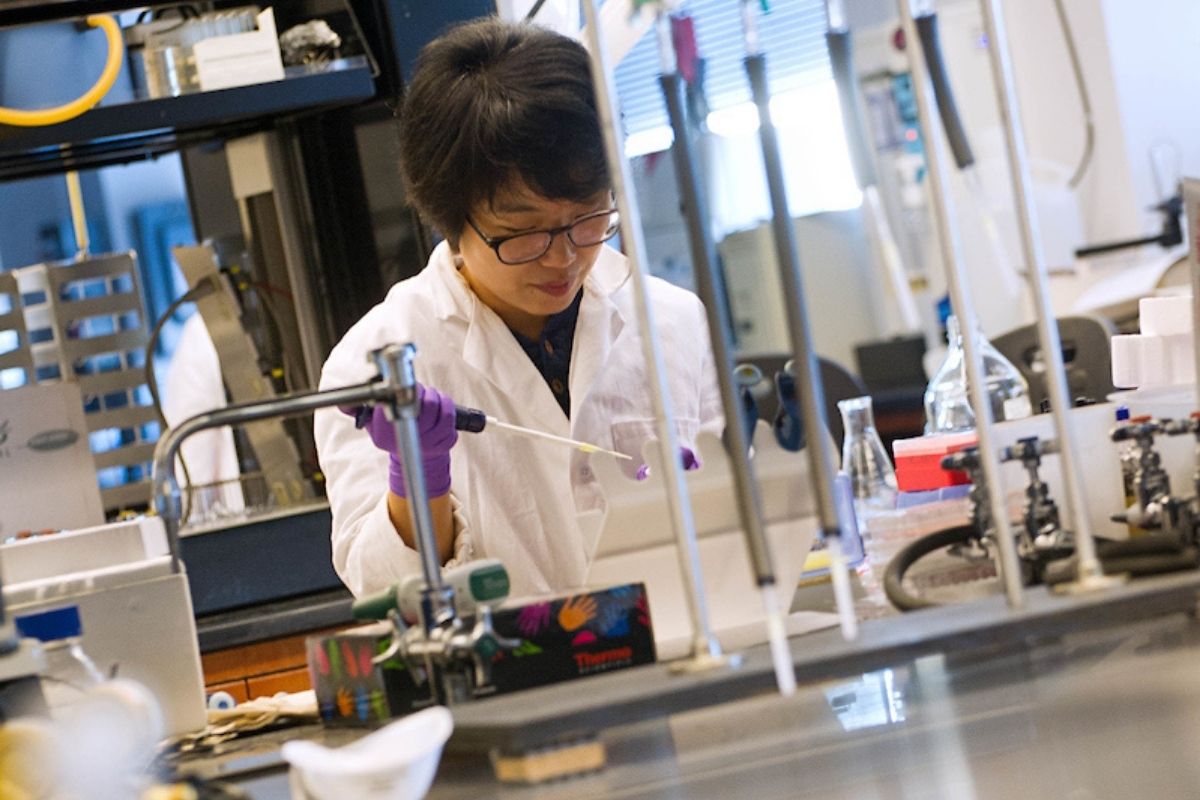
<point x="435" y="425"/>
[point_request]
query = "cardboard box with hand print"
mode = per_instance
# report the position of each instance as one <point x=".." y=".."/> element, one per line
<point x="561" y="637"/>
<point x="572" y="636"/>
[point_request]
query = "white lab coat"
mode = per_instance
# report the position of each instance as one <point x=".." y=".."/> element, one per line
<point x="515" y="499"/>
<point x="193" y="385"/>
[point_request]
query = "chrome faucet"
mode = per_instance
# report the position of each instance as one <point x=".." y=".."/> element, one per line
<point x="442" y="643"/>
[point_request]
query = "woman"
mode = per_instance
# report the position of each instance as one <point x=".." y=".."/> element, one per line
<point x="522" y="311"/>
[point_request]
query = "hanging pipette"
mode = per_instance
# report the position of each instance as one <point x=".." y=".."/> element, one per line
<point x="473" y="420"/>
<point x="841" y="60"/>
<point x="710" y="285"/>
<point x="812" y="395"/>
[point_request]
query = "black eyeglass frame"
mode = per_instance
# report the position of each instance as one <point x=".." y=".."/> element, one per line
<point x="495" y="242"/>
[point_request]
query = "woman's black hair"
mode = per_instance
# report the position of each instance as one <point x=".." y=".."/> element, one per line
<point x="491" y="103"/>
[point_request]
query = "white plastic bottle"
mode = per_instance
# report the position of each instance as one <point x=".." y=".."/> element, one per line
<point x="69" y="672"/>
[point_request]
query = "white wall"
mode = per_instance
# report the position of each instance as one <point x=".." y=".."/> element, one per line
<point x="1156" y="65"/>
<point x="1140" y="63"/>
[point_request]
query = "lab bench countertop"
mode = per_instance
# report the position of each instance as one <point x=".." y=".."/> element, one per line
<point x="1096" y="715"/>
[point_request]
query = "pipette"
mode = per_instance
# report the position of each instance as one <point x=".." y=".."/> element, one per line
<point x="473" y="420"/>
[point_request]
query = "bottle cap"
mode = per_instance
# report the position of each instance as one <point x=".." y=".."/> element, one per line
<point x="1122" y="413"/>
<point x="50" y="626"/>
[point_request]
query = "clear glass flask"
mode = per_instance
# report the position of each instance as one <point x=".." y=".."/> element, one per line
<point x="947" y="404"/>
<point x="873" y="480"/>
<point x="864" y="458"/>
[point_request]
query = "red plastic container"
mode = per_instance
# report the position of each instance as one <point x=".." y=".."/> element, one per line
<point x="919" y="461"/>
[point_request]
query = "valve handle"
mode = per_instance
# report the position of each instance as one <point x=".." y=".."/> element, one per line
<point x="375" y="606"/>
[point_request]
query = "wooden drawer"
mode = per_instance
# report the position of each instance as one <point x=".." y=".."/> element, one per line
<point x="292" y="680"/>
<point x="270" y="658"/>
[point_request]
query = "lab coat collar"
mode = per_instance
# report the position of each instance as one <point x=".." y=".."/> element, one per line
<point x="491" y="348"/>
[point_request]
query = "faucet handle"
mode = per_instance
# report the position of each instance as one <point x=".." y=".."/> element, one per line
<point x="1143" y="429"/>
<point x="1029" y="450"/>
<point x="485" y="644"/>
<point x="966" y="460"/>
<point x="1175" y="427"/>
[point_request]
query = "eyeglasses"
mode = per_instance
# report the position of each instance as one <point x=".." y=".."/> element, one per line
<point x="521" y="248"/>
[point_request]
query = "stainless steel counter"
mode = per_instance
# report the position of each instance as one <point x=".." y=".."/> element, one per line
<point x="1106" y="714"/>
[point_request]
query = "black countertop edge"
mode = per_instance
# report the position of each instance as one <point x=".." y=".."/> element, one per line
<point x="272" y="620"/>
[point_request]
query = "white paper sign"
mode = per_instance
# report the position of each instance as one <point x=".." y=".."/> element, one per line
<point x="240" y="59"/>
<point x="47" y="475"/>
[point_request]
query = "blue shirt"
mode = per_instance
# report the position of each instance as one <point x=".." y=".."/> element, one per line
<point x="551" y="352"/>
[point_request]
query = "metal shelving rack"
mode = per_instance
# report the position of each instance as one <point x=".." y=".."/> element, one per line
<point x="120" y="132"/>
<point x="145" y="128"/>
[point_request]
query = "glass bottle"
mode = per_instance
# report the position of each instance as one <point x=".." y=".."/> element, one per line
<point x="69" y="672"/>
<point x="947" y="403"/>
<point x="873" y="485"/>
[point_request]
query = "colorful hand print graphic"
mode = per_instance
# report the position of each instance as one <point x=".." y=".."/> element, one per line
<point x="583" y="637"/>
<point x="366" y="664"/>
<point x="379" y="703"/>
<point x="335" y="659"/>
<point x="362" y="704"/>
<point x="527" y="648"/>
<point x="345" y="703"/>
<point x="322" y="660"/>
<point x="532" y="620"/>
<point x="576" y="612"/>
<point x="351" y="661"/>
<point x="612" y="615"/>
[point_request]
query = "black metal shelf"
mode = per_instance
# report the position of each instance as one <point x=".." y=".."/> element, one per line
<point x="23" y="12"/>
<point x="147" y="128"/>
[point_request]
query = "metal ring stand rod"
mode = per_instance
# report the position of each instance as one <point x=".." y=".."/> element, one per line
<point x="840" y="45"/>
<point x="819" y="446"/>
<point x="1191" y="215"/>
<point x="395" y="364"/>
<point x="706" y="651"/>
<point x="956" y="278"/>
<point x="1090" y="573"/>
<point x="711" y="288"/>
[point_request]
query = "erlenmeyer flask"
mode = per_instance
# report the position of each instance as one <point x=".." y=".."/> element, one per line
<point x="865" y="460"/>
<point x="947" y="404"/>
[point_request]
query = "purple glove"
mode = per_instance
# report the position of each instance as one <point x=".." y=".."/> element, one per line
<point x="686" y="457"/>
<point x="435" y="424"/>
